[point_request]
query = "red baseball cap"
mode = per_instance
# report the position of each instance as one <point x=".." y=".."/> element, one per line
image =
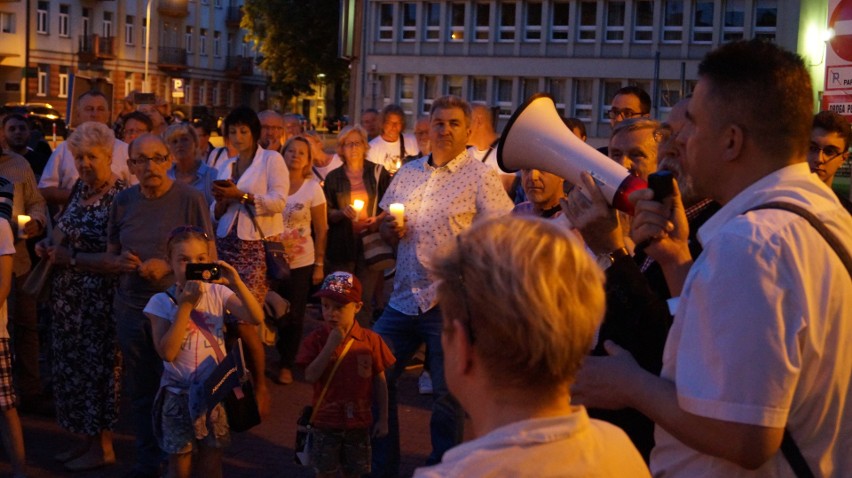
<point x="342" y="287"/>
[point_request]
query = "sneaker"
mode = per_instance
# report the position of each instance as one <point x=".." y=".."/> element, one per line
<point x="424" y="384"/>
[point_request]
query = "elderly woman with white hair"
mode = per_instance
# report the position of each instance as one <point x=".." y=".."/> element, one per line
<point x="86" y="359"/>
<point x="187" y="167"/>
<point x="357" y="179"/>
<point x="521" y="300"/>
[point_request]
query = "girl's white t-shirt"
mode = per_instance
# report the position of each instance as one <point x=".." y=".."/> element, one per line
<point x="197" y="357"/>
<point x="297" y="223"/>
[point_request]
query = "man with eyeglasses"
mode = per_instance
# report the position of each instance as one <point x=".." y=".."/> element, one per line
<point x="60" y="174"/>
<point x="629" y="102"/>
<point x="829" y="148"/>
<point x="271" y="131"/>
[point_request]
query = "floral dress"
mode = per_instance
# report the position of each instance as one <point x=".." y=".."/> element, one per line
<point x="86" y="358"/>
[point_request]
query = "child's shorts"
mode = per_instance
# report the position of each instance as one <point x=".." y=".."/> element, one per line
<point x="347" y="449"/>
<point x="175" y="431"/>
<point x="7" y="391"/>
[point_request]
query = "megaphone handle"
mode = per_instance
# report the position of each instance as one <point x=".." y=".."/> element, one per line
<point x="662" y="183"/>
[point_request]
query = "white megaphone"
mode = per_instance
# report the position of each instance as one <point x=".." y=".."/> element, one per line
<point x="536" y="138"/>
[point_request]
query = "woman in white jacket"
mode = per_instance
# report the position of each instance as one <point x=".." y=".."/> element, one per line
<point x="254" y="182"/>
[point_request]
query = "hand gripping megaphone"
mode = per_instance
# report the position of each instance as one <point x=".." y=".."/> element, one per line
<point x="536" y="138"/>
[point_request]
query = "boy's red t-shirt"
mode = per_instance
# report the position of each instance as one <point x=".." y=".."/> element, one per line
<point x="349" y="399"/>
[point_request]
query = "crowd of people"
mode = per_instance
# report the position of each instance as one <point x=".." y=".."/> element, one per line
<point x="705" y="335"/>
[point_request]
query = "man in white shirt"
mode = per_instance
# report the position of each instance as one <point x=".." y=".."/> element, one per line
<point x="762" y="324"/>
<point x="392" y="146"/>
<point x="60" y="174"/>
<point x="443" y="194"/>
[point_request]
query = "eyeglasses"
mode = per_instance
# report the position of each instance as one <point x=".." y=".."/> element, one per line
<point x="468" y="324"/>
<point x="353" y="144"/>
<point x="158" y="159"/>
<point x="830" y="152"/>
<point x="626" y="113"/>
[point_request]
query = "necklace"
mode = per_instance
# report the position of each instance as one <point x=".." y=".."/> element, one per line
<point x="89" y="192"/>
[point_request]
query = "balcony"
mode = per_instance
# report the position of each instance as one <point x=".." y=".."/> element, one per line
<point x="234" y="17"/>
<point x="172" y="59"/>
<point x="239" y="66"/>
<point x="173" y="8"/>
<point x="95" y="48"/>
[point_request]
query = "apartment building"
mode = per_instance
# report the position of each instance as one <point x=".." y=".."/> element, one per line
<point x="197" y="55"/>
<point x="500" y="52"/>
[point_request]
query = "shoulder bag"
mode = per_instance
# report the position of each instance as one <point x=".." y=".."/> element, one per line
<point x="302" y="453"/>
<point x="277" y="266"/>
<point x="378" y="255"/>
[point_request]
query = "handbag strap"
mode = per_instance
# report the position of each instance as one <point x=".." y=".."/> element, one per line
<point x="202" y="327"/>
<point x="789" y="448"/>
<point x="377" y="172"/>
<point x="328" y="380"/>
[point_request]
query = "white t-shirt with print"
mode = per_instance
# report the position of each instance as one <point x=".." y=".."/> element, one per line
<point x="387" y="154"/>
<point x="194" y="359"/>
<point x="297" y="223"/>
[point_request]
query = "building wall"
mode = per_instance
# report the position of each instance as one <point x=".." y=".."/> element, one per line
<point x="178" y="24"/>
<point x="579" y="51"/>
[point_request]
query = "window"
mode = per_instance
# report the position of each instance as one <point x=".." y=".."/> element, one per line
<point x="188" y="37"/>
<point x="529" y="87"/>
<point x="702" y="23"/>
<point x="614" y="22"/>
<point x="457" y="21"/>
<point x="406" y="97"/>
<point x="643" y="21"/>
<point x="63" y="85"/>
<point x="63" y="20"/>
<point x="765" y="19"/>
<point x="733" y="21"/>
<point x="454" y="85"/>
<point x="583" y="100"/>
<point x="482" y="31"/>
<point x="608" y="91"/>
<point x="7" y="22"/>
<point x="409" y="21"/>
<point x="107" y="25"/>
<point x="587" y="31"/>
<point x="128" y="29"/>
<point x="507" y="21"/>
<point x="670" y="93"/>
<point x="433" y="21"/>
<point x="479" y="89"/>
<point x="504" y="97"/>
<point x="128" y="84"/>
<point x="202" y="42"/>
<point x="42" y="81"/>
<point x="144" y="32"/>
<point x="532" y="21"/>
<point x="384" y="89"/>
<point x="215" y="94"/>
<point x="386" y="22"/>
<point x="85" y="25"/>
<point x="187" y="90"/>
<point x="217" y="44"/>
<point x="556" y="89"/>
<point x="430" y="92"/>
<point x="202" y="92"/>
<point x="673" y="21"/>
<point x="41" y="18"/>
<point x="559" y="21"/>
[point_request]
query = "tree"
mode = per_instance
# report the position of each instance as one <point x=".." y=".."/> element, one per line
<point x="298" y="41"/>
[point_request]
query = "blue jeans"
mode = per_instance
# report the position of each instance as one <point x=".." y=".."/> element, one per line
<point x="404" y="334"/>
<point x="142" y="370"/>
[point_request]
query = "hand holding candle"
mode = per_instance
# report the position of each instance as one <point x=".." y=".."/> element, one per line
<point x="358" y="206"/>
<point x="22" y="222"/>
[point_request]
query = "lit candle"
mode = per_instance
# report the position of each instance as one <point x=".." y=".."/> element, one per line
<point x="397" y="210"/>
<point x="358" y="206"/>
<point x="398" y="165"/>
<point x="22" y="221"/>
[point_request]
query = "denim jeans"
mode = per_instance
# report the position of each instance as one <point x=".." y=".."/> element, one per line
<point x="142" y="370"/>
<point x="404" y="334"/>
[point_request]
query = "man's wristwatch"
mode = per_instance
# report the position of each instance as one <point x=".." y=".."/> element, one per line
<point x="244" y="199"/>
<point x="618" y="254"/>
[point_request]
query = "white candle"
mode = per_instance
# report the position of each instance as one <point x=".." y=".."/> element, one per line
<point x="397" y="210"/>
<point x="358" y="206"/>
<point x="22" y="221"/>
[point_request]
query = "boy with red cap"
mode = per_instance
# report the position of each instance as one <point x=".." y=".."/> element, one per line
<point x="344" y="392"/>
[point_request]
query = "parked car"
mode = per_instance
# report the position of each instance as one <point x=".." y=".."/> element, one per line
<point x="334" y="124"/>
<point x="42" y="117"/>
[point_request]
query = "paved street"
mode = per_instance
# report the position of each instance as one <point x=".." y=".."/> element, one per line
<point x="265" y="451"/>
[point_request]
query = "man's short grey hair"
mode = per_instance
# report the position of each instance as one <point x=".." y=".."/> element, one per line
<point x="634" y="124"/>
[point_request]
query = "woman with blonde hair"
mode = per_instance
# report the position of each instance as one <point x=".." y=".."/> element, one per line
<point x="305" y="214"/>
<point x="521" y="300"/>
<point x="187" y="166"/>
<point x="357" y="179"/>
